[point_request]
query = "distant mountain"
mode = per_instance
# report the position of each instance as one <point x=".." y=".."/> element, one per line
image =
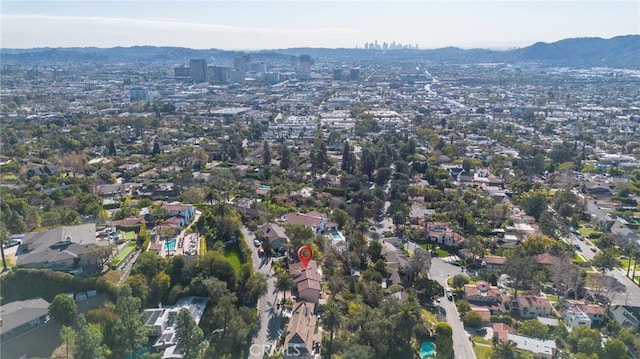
<point x="620" y="51"/>
<point x="617" y="52"/>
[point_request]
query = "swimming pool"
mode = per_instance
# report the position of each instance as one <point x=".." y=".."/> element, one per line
<point x="169" y="245"/>
<point x="427" y="349"/>
<point x="336" y="235"/>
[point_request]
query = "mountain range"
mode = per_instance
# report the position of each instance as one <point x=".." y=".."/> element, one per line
<point x="616" y="52"/>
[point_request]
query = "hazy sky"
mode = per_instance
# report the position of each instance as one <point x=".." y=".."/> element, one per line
<point x="268" y="24"/>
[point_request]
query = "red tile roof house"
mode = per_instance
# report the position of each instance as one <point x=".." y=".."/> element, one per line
<point x="314" y="220"/>
<point x="532" y="306"/>
<point x="307" y="281"/>
<point x="482" y="293"/>
<point x="494" y="262"/>
<point x="442" y="234"/>
<point x="502" y="331"/>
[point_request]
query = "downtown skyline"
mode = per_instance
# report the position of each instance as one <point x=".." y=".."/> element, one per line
<point x="255" y="25"/>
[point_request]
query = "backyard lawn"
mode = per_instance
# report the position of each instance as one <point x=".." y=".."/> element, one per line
<point x="482" y="352"/>
<point x="232" y="255"/>
<point x="585" y="231"/>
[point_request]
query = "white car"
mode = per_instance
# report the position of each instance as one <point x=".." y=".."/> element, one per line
<point x="256" y="243"/>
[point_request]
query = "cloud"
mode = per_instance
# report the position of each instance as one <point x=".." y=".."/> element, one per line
<point x="30" y="30"/>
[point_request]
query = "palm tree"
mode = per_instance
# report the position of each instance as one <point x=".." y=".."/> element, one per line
<point x="407" y="318"/>
<point x="505" y="349"/>
<point x="3" y="239"/>
<point x="284" y="282"/>
<point x="332" y="319"/>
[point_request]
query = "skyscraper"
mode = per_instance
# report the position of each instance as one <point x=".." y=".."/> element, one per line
<point x="198" y="70"/>
<point x="305" y="67"/>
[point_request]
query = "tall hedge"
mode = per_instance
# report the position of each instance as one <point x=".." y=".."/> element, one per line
<point x="22" y="284"/>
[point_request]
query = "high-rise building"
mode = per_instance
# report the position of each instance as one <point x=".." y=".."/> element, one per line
<point x="219" y="74"/>
<point x="354" y="74"/>
<point x="337" y="74"/>
<point x="305" y="67"/>
<point x="198" y="70"/>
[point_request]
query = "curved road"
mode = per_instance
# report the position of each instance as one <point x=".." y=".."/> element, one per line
<point x="440" y="271"/>
<point x="270" y="318"/>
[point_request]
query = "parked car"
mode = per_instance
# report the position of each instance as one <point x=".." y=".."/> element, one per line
<point x="449" y="295"/>
<point x="593" y="249"/>
<point x="256" y="243"/>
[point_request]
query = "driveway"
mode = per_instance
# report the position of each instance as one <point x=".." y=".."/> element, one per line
<point x="269" y="316"/>
<point x="440" y="271"/>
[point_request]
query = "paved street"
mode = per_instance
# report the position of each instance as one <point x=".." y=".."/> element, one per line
<point x="440" y="271"/>
<point x="269" y="315"/>
<point x="632" y="295"/>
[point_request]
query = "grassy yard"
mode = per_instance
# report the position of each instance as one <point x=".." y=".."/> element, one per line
<point x="482" y="340"/>
<point x="482" y="352"/>
<point x="625" y="262"/>
<point x="578" y="259"/>
<point x="124" y="252"/>
<point x="232" y="255"/>
<point x="585" y="231"/>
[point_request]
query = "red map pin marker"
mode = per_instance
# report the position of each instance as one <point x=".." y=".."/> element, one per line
<point x="305" y="253"/>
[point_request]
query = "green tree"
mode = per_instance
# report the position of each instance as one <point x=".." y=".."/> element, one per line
<point x="533" y="328"/>
<point x="584" y="338"/>
<point x="521" y="268"/>
<point x="284" y="283"/>
<point x="615" y="348"/>
<point x="63" y="309"/>
<point x="534" y="204"/>
<point x="605" y="260"/>
<point x="459" y="280"/>
<point x="68" y="338"/>
<point x="266" y="154"/>
<point x="189" y="334"/>
<point x="444" y="341"/>
<point x="3" y="240"/>
<point x="505" y="349"/>
<point x="332" y="319"/>
<point x="88" y="340"/>
<point x="112" y="148"/>
<point x="463" y="306"/>
<point x="130" y="331"/>
<point x="473" y="319"/>
<point x="285" y="157"/>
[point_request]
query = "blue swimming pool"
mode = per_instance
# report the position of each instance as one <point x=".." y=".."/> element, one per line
<point x="336" y="235"/>
<point x="427" y="349"/>
<point x="169" y="245"/>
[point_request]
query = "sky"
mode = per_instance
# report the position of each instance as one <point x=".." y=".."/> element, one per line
<point x="270" y="24"/>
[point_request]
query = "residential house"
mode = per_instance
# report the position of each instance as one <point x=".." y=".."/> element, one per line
<point x="72" y="249"/>
<point x="184" y="211"/>
<point x="22" y="316"/>
<point x="494" y="262"/>
<point x="314" y="220"/>
<point x="275" y="235"/>
<point x="622" y="233"/>
<point x="547" y="259"/>
<point x="442" y="234"/>
<point x="532" y="306"/>
<point x="301" y="340"/>
<point x="574" y="315"/>
<point x="162" y="322"/>
<point x="501" y="331"/>
<point x="481" y="293"/>
<point x="307" y="280"/>
<point x="593" y="311"/>
<point x="395" y="258"/>
<point x="624" y="317"/>
<point x="540" y="348"/>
